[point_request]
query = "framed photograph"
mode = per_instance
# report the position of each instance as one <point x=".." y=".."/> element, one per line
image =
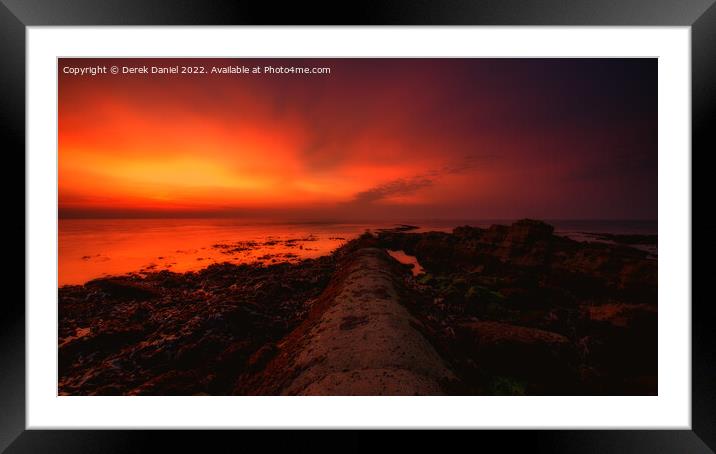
<point x="417" y="216"/>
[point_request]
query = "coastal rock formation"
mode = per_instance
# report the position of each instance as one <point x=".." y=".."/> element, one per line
<point x="529" y="354"/>
<point x="530" y="249"/>
<point x="359" y="340"/>
<point x="543" y="313"/>
<point x="501" y="310"/>
<point x="526" y="243"/>
<point x="180" y="334"/>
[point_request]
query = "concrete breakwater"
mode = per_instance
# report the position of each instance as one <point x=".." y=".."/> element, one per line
<point x="358" y="340"/>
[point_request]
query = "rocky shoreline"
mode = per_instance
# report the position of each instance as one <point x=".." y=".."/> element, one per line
<point x="509" y="310"/>
<point x="169" y="333"/>
<point x="520" y="310"/>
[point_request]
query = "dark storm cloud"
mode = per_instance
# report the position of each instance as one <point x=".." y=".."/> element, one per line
<point x="465" y="164"/>
<point x="407" y="186"/>
<point x="394" y="188"/>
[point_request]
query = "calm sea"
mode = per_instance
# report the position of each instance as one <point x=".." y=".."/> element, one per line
<point x="92" y="248"/>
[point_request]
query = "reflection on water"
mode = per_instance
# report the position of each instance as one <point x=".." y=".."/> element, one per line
<point x="92" y="248"/>
<point x="406" y="259"/>
<point x="79" y="333"/>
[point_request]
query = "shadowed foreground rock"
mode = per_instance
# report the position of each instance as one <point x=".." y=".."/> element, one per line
<point x="167" y="333"/>
<point x="358" y="340"/>
<point x="523" y="353"/>
<point x="520" y="310"/>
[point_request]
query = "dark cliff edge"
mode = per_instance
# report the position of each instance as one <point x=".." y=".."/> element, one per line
<point x="505" y="310"/>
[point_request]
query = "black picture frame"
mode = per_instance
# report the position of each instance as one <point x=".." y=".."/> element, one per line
<point x="16" y="15"/>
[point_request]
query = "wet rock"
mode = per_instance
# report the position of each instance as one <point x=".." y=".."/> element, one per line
<point x="620" y="344"/>
<point x="620" y="314"/>
<point x="526" y="243"/>
<point x="172" y="333"/>
<point x="173" y="383"/>
<point x="436" y="250"/>
<point x="262" y="356"/>
<point x="496" y="234"/>
<point x="544" y="358"/>
<point x="123" y="288"/>
<point x="629" y="239"/>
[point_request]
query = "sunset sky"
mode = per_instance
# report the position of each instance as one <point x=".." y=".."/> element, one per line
<point x="375" y="139"/>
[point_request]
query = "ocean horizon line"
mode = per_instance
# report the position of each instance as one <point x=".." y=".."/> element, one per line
<point x="355" y="221"/>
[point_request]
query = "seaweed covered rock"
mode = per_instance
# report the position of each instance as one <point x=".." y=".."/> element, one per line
<point x="545" y="359"/>
<point x="124" y="288"/>
<point x="168" y="333"/>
